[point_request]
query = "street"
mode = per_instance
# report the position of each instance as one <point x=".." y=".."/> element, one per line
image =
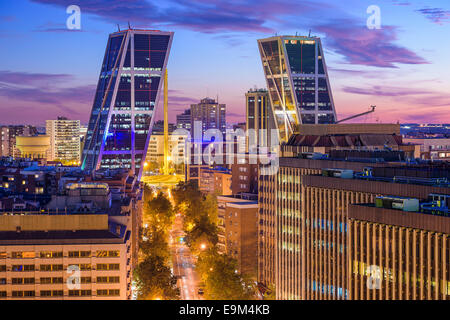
<point x="183" y="263"/>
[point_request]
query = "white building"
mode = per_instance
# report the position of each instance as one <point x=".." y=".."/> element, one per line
<point x="64" y="140"/>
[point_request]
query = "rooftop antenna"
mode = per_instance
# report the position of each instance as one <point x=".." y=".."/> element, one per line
<point x="118" y="27"/>
<point x="129" y="27"/>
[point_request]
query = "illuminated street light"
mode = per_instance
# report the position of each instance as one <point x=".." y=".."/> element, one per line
<point x="203" y="246"/>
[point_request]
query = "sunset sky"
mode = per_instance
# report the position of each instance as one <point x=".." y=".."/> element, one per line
<point x="47" y="70"/>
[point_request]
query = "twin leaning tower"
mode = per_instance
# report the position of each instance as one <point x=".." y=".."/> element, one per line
<point x="129" y="87"/>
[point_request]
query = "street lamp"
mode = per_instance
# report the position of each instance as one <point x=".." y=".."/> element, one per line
<point x="203" y="246"/>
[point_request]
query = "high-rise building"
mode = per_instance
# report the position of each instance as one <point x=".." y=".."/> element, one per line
<point x="259" y="117"/>
<point x="297" y="79"/>
<point x="64" y="140"/>
<point x="127" y="95"/>
<point x="211" y="114"/>
<point x="184" y="120"/>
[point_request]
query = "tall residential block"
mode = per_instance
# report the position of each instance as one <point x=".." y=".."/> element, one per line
<point x="65" y="143"/>
<point x="127" y="95"/>
<point x="210" y="113"/>
<point x="297" y="80"/>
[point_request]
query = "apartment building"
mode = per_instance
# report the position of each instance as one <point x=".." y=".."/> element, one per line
<point x="241" y="234"/>
<point x="65" y="142"/>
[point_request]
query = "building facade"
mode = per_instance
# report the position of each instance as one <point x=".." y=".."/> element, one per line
<point x="304" y="227"/>
<point x="259" y="116"/>
<point x="398" y="255"/>
<point x="65" y="143"/>
<point x="297" y="80"/>
<point x="211" y="114"/>
<point x="184" y="120"/>
<point x="241" y="235"/>
<point x="127" y="95"/>
<point x="64" y="257"/>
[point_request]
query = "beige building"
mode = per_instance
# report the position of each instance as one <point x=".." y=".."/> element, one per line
<point x="74" y="256"/>
<point x="65" y="143"/>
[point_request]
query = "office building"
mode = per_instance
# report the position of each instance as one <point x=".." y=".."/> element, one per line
<point x="211" y="114"/>
<point x="304" y="220"/>
<point x="39" y="254"/>
<point x="65" y="143"/>
<point x="297" y="80"/>
<point x="259" y="117"/>
<point x="127" y="94"/>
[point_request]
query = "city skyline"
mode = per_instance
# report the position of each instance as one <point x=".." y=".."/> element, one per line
<point x="215" y="53"/>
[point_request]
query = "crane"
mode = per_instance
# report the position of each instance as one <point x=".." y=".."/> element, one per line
<point x="358" y="115"/>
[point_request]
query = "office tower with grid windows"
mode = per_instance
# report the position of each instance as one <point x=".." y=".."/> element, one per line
<point x="297" y="79"/>
<point x="259" y="117"/>
<point x="127" y="95"/>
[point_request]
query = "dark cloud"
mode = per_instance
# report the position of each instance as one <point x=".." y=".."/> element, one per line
<point x="27" y="78"/>
<point x="348" y="37"/>
<point x="48" y="92"/>
<point x="200" y="15"/>
<point x="385" y="91"/>
<point x="436" y="15"/>
<point x="360" y="45"/>
<point x="414" y="97"/>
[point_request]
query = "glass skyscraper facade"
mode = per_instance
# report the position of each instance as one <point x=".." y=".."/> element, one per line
<point x="297" y="79"/>
<point x="127" y="95"/>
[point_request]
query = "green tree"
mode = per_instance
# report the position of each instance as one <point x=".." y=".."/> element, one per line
<point x="159" y="212"/>
<point x="222" y="282"/>
<point x="154" y="243"/>
<point x="203" y="235"/>
<point x="154" y="280"/>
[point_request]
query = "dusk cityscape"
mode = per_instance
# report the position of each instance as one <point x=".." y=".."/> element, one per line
<point x="250" y="152"/>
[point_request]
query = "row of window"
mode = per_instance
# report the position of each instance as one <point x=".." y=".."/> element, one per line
<point x="60" y="293"/>
<point x="60" y="267"/>
<point x="59" y="254"/>
<point x="59" y="280"/>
